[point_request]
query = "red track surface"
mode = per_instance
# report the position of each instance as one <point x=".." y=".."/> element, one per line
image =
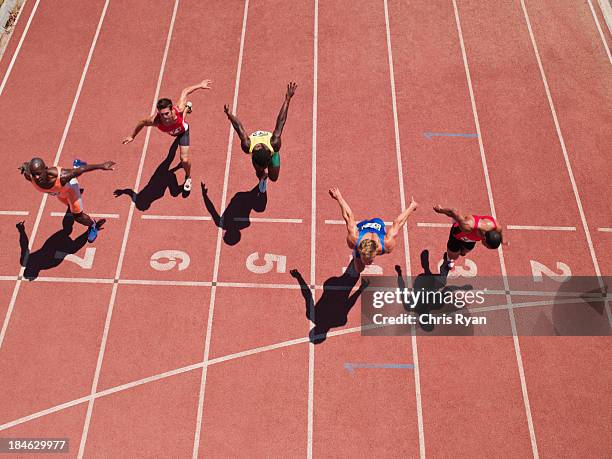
<point x="215" y="358"/>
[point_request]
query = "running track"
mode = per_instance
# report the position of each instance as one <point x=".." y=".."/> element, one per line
<point x="209" y="358"/>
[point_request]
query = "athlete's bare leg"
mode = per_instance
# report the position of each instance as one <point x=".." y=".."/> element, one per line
<point x="273" y="173"/>
<point x="83" y="219"/>
<point x="260" y="172"/>
<point x="453" y="255"/>
<point x="185" y="161"/>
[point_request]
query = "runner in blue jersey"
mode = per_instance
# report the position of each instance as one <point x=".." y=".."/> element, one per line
<point x="369" y="238"/>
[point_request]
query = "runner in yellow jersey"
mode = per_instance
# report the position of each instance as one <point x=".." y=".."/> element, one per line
<point x="264" y="147"/>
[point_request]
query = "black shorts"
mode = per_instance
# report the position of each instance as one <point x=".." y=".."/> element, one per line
<point x="457" y="245"/>
<point x="183" y="139"/>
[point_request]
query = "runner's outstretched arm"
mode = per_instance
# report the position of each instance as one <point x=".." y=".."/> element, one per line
<point x="245" y="142"/>
<point x="204" y="84"/>
<point x="142" y="123"/>
<point x="347" y="214"/>
<point x="282" y="117"/>
<point x="463" y="220"/>
<point x="69" y="174"/>
<point x="397" y="225"/>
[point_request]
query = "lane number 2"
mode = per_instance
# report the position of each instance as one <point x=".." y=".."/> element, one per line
<point x="538" y="269"/>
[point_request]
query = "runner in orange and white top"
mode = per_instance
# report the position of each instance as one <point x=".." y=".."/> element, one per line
<point x="63" y="184"/>
<point x="171" y="120"/>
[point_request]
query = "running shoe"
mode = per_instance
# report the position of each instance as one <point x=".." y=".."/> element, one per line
<point x="450" y="264"/>
<point x="92" y="234"/>
<point x="187" y="185"/>
<point x="94" y="229"/>
<point x="189" y="106"/>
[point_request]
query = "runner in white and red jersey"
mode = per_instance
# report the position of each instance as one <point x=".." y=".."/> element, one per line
<point x="466" y="231"/>
<point x="171" y="120"/>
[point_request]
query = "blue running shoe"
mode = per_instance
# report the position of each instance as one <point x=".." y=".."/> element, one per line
<point x="78" y="163"/>
<point x="92" y="234"/>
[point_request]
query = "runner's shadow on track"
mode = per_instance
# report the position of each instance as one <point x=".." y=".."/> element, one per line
<point x="236" y="216"/>
<point x="163" y="178"/>
<point x="578" y="309"/>
<point x="428" y="283"/>
<point x="335" y="303"/>
<point x="52" y="252"/>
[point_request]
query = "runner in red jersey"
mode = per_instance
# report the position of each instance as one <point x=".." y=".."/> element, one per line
<point x="171" y="120"/>
<point x="466" y="231"/>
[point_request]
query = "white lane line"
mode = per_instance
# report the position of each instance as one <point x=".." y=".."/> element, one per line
<point x="40" y="414"/>
<point x="84" y="280"/>
<point x="342" y="222"/>
<point x="237" y="355"/>
<point x="237" y="219"/>
<point x="512" y="227"/>
<point x="174" y="372"/>
<point x="78" y="280"/>
<point x="258" y="350"/>
<point x="415" y="354"/>
<point x="175" y="217"/>
<point x="605" y="230"/>
<point x="19" y="45"/>
<point x="517" y="348"/>
<point x="606" y="9"/>
<point x="58" y="153"/>
<point x="165" y="282"/>
<point x="541" y="228"/>
<point x="230" y="357"/>
<point x="313" y="233"/>
<point x="111" y="303"/>
<point x="267" y="220"/>
<point x="398" y="153"/>
<point x="601" y="34"/>
<point x="568" y="166"/>
<point x="175" y="283"/>
<point x="14" y="212"/>
<point x="157" y="377"/>
<point x="256" y="285"/>
<point x="433" y="225"/>
<point x="63" y="214"/>
<point x="211" y="308"/>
